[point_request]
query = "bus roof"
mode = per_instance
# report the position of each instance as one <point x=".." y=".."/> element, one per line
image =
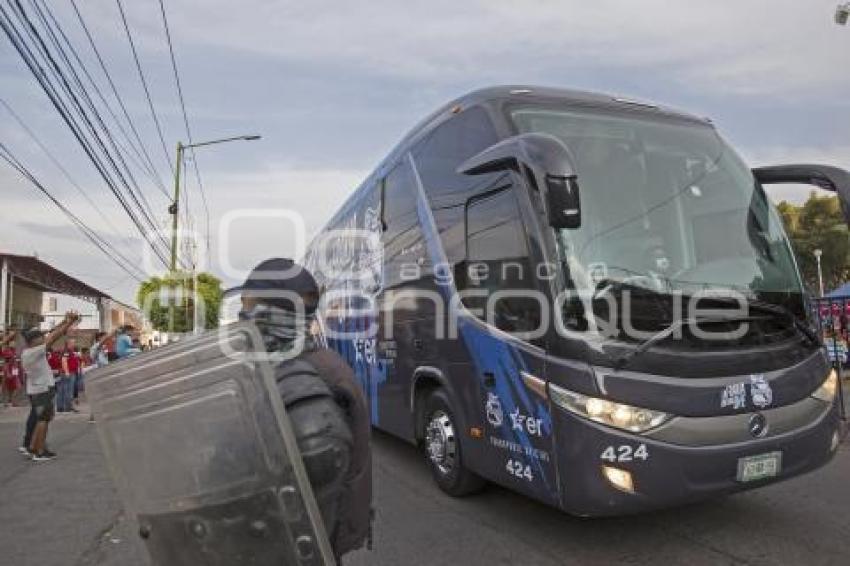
<point x="524" y="94"/>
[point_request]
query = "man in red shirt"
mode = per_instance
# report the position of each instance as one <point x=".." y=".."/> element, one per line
<point x="54" y="360"/>
<point x="11" y="377"/>
<point x="70" y="365"/>
<point x="7" y="353"/>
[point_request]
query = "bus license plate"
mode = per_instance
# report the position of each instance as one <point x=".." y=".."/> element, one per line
<point x="759" y="467"/>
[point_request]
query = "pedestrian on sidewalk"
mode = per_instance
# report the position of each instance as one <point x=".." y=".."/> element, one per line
<point x="124" y="344"/>
<point x="10" y="373"/>
<point x="54" y="360"/>
<point x="11" y="376"/>
<point x="65" y="386"/>
<point x="41" y="386"/>
<point x="98" y="355"/>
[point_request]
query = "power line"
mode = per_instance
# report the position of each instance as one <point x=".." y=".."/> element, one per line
<point x="144" y="83"/>
<point x="103" y="245"/>
<point x="114" y="89"/>
<point x="139" y="156"/>
<point x="30" y="59"/>
<point x="58" y="165"/>
<point x="140" y="200"/>
<point x="186" y="120"/>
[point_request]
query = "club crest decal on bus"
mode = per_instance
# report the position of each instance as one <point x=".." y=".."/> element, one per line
<point x="734" y="395"/>
<point x="495" y="415"/>
<point x="760" y="391"/>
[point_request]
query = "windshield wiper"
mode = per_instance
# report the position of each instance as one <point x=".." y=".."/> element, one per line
<point x="624" y="359"/>
<point x="785" y="312"/>
<point x="757" y="305"/>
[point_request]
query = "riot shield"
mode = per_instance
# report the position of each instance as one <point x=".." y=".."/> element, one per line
<point x="198" y="442"/>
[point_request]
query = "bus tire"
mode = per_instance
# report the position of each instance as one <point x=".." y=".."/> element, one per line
<point x="443" y="451"/>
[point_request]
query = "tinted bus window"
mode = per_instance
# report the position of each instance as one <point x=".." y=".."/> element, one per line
<point x="438" y="156"/>
<point x="404" y="250"/>
<point x="497" y="260"/>
<point x="399" y="201"/>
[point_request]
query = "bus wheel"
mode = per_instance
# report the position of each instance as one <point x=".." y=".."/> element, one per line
<point x="442" y="448"/>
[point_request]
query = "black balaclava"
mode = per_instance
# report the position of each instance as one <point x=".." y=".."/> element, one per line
<point x="283" y="331"/>
<point x="287" y="297"/>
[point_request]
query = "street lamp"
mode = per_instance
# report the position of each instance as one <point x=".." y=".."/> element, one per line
<point x="173" y="210"/>
<point x="819" y="252"/>
<point x="174" y="207"/>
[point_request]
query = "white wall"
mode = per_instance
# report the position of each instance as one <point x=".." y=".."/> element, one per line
<point x="64" y="303"/>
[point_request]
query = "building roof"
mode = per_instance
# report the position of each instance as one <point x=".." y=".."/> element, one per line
<point x="44" y="277"/>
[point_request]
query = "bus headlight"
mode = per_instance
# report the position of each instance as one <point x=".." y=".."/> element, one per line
<point x="826" y="392"/>
<point x="617" y="415"/>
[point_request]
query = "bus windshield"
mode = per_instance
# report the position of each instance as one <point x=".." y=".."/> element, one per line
<point x="667" y="206"/>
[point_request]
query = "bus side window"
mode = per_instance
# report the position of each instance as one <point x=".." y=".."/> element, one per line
<point x="401" y="222"/>
<point x="497" y="260"/>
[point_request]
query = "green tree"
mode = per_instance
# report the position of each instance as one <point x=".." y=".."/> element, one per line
<point x="819" y="224"/>
<point x="156" y="295"/>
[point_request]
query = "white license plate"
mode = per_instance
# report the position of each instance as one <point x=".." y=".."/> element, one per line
<point x="762" y="466"/>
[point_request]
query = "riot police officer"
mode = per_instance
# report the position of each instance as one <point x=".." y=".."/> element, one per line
<point x="326" y="405"/>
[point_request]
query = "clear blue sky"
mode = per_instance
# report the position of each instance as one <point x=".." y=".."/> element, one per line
<point x="332" y="86"/>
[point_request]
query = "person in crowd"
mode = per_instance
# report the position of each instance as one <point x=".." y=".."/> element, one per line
<point x="124" y="342"/>
<point x="41" y="386"/>
<point x="98" y="357"/>
<point x="12" y="380"/>
<point x="98" y="353"/>
<point x="322" y="396"/>
<point x="7" y="344"/>
<point x="79" y="383"/>
<point x="54" y="360"/>
<point x="70" y="364"/>
<point x="85" y="357"/>
<point x="10" y="373"/>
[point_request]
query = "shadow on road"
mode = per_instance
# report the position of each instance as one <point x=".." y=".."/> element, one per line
<point x="788" y="523"/>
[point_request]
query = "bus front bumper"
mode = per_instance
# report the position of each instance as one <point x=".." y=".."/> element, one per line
<point x="663" y="474"/>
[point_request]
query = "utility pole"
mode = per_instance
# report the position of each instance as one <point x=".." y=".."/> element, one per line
<point x="175" y="206"/>
<point x="818" y="253"/>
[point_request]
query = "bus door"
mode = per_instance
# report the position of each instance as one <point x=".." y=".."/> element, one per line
<point x="406" y="305"/>
<point x="505" y="338"/>
<point x="827" y="178"/>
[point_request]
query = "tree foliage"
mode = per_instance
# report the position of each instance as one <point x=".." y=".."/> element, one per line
<point x="156" y="295"/>
<point x="819" y="224"/>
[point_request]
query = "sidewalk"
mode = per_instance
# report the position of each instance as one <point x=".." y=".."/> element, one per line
<point x="19" y="414"/>
<point x="64" y="511"/>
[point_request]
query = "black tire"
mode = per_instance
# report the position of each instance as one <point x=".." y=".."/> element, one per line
<point x="447" y="466"/>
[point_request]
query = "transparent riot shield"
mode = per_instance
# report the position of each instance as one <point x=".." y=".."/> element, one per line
<point x="198" y="442"/>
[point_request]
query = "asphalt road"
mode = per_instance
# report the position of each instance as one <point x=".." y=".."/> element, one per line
<point x="66" y="513"/>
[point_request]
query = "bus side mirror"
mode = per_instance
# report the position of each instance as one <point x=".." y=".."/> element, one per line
<point x="550" y="166"/>
<point x="824" y="176"/>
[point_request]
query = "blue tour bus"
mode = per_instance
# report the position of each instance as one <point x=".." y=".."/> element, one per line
<point x="584" y="298"/>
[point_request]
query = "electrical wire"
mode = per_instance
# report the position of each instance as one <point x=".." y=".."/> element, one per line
<point x="59" y="166"/>
<point x="61" y="106"/>
<point x="114" y="89"/>
<point x="99" y="242"/>
<point x="138" y="196"/>
<point x="144" y="82"/>
<point x="139" y="154"/>
<point x="186" y="121"/>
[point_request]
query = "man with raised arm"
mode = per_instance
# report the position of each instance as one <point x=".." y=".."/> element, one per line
<point x="41" y="386"/>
